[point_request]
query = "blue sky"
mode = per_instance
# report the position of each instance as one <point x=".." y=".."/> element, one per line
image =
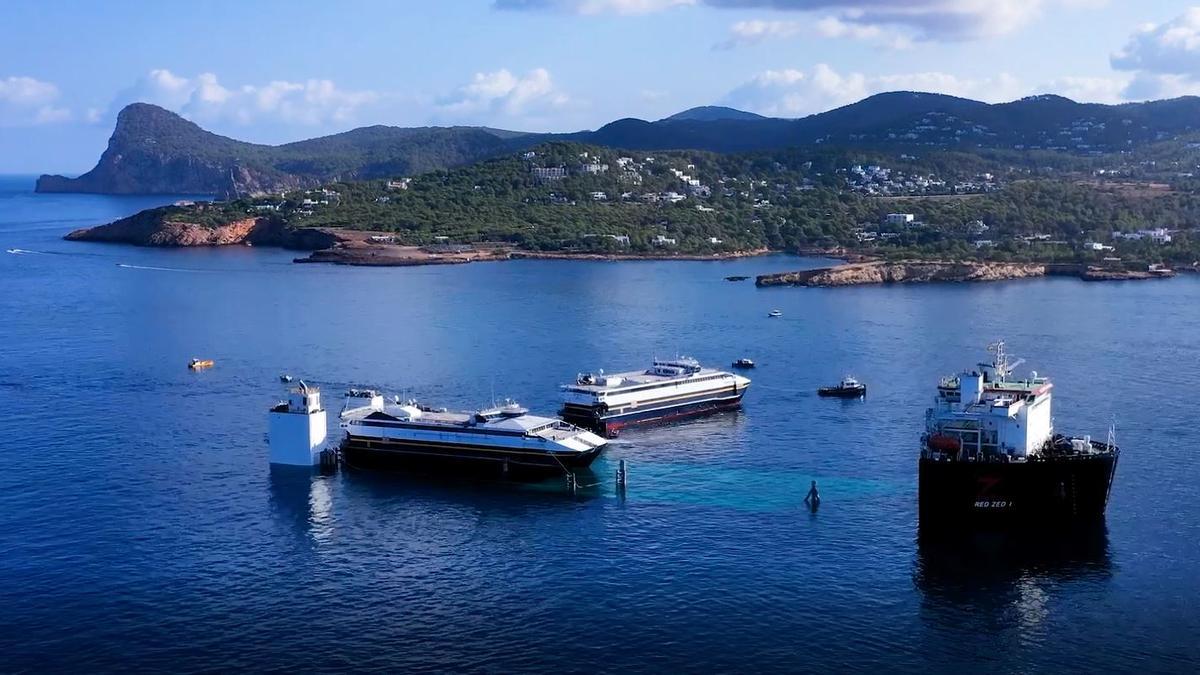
<point x="272" y="72"/>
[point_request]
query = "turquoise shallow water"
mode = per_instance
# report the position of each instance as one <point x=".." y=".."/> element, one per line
<point x="140" y="523"/>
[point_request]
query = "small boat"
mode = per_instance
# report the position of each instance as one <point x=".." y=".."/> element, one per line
<point x="285" y="378"/>
<point x="775" y="313"/>
<point x="847" y="388"/>
<point x="744" y="363"/>
<point x="200" y="364"/>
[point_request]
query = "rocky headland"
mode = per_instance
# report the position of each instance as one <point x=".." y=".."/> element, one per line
<point x="154" y="229"/>
<point x="923" y="271"/>
<point x="184" y="226"/>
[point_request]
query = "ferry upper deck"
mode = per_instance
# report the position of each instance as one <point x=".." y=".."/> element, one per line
<point x="503" y="420"/>
<point x="661" y="372"/>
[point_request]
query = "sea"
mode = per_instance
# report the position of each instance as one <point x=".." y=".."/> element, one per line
<point x="142" y="527"/>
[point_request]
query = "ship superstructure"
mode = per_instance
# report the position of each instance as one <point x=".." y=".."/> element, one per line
<point x="669" y="389"/>
<point x="504" y="436"/>
<point x="990" y="452"/>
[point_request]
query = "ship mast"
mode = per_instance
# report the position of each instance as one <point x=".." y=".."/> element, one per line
<point x="1000" y="363"/>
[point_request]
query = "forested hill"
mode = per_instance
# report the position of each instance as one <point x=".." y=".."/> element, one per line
<point x="572" y="197"/>
<point x="155" y="151"/>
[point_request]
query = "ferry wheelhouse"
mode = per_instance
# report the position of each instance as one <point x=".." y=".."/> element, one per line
<point x="670" y="389"/>
<point x="990" y="453"/>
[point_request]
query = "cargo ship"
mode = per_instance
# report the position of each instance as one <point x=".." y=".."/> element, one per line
<point x="670" y="389"/>
<point x="990" y="454"/>
<point x="504" y="438"/>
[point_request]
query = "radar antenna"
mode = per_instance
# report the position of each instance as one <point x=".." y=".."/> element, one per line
<point x="1001" y="363"/>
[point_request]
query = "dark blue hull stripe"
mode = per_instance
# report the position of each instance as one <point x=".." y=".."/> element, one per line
<point x="701" y="402"/>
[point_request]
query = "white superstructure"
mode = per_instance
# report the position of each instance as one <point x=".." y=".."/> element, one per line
<point x="502" y="433"/>
<point x="669" y="388"/>
<point x="982" y="412"/>
<point x="297" y="427"/>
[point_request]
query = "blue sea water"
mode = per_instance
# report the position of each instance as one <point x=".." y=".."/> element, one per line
<point x="141" y="526"/>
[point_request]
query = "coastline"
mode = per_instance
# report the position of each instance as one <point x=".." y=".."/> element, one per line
<point x="335" y="246"/>
<point x="949" y="271"/>
<point x="366" y="248"/>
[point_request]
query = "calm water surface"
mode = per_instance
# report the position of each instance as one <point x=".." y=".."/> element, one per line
<point x="140" y="524"/>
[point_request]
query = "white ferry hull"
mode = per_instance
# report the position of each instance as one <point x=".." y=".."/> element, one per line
<point x="375" y="452"/>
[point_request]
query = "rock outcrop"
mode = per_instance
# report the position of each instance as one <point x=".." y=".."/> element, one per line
<point x="1106" y="274"/>
<point x="903" y="272"/>
<point x="924" y="271"/>
<point x="151" y="228"/>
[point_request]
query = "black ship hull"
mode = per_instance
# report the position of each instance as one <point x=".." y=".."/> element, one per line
<point x="610" y="424"/>
<point x="390" y="454"/>
<point x="1030" y="493"/>
<point x="842" y="392"/>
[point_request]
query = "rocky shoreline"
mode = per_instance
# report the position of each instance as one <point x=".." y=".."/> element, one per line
<point x="372" y="249"/>
<point x="929" y="271"/>
<point x="141" y="230"/>
<point x="338" y="246"/>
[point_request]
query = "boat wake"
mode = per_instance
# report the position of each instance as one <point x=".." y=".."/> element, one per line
<point x="156" y="269"/>
<point x="25" y="251"/>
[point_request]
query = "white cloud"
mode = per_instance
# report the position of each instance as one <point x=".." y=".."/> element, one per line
<point x="930" y="19"/>
<point x="755" y="31"/>
<point x="1171" y="48"/>
<point x="503" y="94"/>
<point x="26" y="101"/>
<point x="1164" y="59"/>
<point x="594" y="6"/>
<point x="795" y="93"/>
<point x="1087" y="89"/>
<point x="204" y="99"/>
<point x="1149" y="86"/>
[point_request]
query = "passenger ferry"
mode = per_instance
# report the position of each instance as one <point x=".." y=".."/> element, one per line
<point x="503" y="437"/>
<point x="990" y="454"/>
<point x="669" y="389"/>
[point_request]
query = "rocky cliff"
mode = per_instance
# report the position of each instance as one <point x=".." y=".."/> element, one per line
<point x="903" y="272"/>
<point x="159" y="228"/>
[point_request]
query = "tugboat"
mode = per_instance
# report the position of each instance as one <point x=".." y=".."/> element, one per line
<point x="847" y="388"/>
<point x="744" y="364"/>
<point x="990" y="455"/>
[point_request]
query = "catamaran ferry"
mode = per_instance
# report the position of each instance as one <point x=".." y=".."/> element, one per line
<point x="990" y="454"/>
<point x="669" y="389"/>
<point x="504" y="437"/>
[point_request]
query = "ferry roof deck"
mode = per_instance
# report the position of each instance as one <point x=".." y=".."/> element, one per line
<point x="636" y="377"/>
<point x="558" y="431"/>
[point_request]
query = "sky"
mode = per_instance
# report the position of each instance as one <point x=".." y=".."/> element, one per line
<point x="271" y="71"/>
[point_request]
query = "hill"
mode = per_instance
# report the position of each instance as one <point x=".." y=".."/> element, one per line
<point x="155" y="151"/>
<point x="709" y="113"/>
